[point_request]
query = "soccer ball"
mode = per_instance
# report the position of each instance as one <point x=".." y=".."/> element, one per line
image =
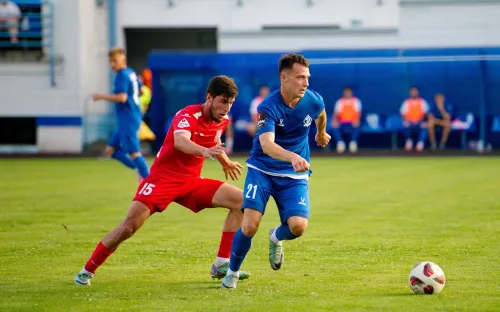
<point x="427" y="278"/>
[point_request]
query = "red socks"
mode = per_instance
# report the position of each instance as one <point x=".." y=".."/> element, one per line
<point x="226" y="243"/>
<point x="100" y="254"/>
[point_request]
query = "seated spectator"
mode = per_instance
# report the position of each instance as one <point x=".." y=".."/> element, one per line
<point x="10" y="15"/>
<point x="252" y="127"/>
<point x="413" y="112"/>
<point x="441" y="115"/>
<point x="346" y="117"/>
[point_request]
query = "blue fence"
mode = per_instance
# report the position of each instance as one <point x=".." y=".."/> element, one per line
<point x="469" y="77"/>
<point x="35" y="31"/>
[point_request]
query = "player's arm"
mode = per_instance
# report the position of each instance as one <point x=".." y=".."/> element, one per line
<point x="271" y="149"/>
<point x="117" y="98"/>
<point x="182" y="142"/>
<point x="322" y="137"/>
<point x="120" y="96"/>
<point x="321" y="121"/>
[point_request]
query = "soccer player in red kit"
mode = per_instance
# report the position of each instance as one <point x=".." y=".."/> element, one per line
<point x="175" y="177"/>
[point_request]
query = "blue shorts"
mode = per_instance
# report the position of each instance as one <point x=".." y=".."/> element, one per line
<point x="291" y="195"/>
<point x="125" y="142"/>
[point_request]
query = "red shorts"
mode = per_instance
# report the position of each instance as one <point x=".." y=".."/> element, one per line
<point x="195" y="194"/>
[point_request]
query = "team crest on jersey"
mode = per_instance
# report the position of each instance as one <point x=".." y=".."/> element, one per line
<point x="262" y="120"/>
<point x="218" y="135"/>
<point x="307" y="121"/>
<point x="183" y="123"/>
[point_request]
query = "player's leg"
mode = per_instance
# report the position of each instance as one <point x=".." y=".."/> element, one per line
<point x="231" y="197"/>
<point x="113" y="150"/>
<point x="241" y="246"/>
<point x="137" y="215"/>
<point x="255" y="196"/>
<point x="423" y="128"/>
<point x="208" y="193"/>
<point x="292" y="199"/>
<point x="132" y="146"/>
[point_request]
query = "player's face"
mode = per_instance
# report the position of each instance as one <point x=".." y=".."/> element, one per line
<point x="413" y="93"/>
<point x="347" y="93"/>
<point x="219" y="106"/>
<point x="117" y="62"/>
<point x="296" y="80"/>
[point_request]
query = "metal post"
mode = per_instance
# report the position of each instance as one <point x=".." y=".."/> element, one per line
<point x="111" y="43"/>
<point x="51" y="45"/>
<point x="482" y="108"/>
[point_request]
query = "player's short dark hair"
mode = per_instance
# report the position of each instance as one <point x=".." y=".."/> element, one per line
<point x="287" y="61"/>
<point x="222" y="85"/>
<point x="347" y="88"/>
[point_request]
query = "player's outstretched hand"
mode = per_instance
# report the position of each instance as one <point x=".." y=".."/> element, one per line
<point x="96" y="97"/>
<point x="233" y="170"/>
<point x="299" y="164"/>
<point x="322" y="139"/>
<point x="210" y="152"/>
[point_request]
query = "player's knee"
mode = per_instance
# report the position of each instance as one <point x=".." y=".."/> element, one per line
<point x="128" y="228"/>
<point x="250" y="228"/>
<point x="298" y="228"/>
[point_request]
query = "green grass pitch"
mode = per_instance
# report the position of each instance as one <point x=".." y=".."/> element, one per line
<point x="372" y="220"/>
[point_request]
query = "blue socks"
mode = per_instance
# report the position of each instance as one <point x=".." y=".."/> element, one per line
<point x="124" y="159"/>
<point x="241" y="246"/>
<point x="142" y="166"/>
<point x="283" y="233"/>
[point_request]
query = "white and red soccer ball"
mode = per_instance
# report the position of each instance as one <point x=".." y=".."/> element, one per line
<point x="427" y="278"/>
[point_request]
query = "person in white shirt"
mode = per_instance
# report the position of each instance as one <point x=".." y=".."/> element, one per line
<point x="10" y="15"/>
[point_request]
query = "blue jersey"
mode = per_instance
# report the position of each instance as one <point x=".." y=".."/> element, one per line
<point x="128" y="114"/>
<point x="448" y="107"/>
<point x="291" y="128"/>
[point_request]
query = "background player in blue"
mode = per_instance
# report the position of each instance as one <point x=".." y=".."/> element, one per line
<point x="279" y="163"/>
<point x="124" y="145"/>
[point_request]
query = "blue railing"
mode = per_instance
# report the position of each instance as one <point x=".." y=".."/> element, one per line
<point x="35" y="31"/>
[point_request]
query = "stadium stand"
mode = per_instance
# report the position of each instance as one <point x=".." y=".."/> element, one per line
<point x="31" y="29"/>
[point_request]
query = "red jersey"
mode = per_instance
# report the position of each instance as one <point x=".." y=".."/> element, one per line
<point x="173" y="162"/>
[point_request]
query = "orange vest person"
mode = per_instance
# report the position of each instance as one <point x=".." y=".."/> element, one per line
<point x="346" y="117"/>
<point x="413" y="112"/>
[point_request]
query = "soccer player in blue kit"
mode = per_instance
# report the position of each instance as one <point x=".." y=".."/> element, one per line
<point x="124" y="145"/>
<point x="279" y="163"/>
